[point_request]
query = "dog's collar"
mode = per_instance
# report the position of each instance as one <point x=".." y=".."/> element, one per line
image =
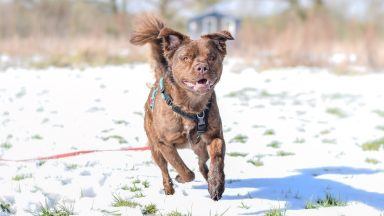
<point x="201" y="118"/>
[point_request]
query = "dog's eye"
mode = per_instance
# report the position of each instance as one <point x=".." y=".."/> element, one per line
<point x="211" y="58"/>
<point x="185" y="58"/>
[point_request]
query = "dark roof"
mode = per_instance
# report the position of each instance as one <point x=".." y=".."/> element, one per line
<point x="212" y="13"/>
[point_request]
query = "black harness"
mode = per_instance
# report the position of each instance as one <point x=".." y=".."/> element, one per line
<point x="201" y="118"/>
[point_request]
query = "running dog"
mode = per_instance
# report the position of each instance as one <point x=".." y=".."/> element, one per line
<point x="181" y="110"/>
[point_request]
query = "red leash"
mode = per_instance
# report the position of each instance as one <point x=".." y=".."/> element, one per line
<point x="76" y="153"/>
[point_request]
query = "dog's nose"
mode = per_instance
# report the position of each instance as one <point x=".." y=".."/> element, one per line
<point x="201" y="68"/>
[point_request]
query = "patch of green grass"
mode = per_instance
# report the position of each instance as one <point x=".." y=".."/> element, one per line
<point x="373" y="145"/>
<point x="45" y="120"/>
<point x="275" y="212"/>
<point x="6" y="145"/>
<point x="177" y="213"/>
<point x="372" y="160"/>
<point x="119" y="138"/>
<point x="299" y="140"/>
<point x="231" y="94"/>
<point x="328" y="141"/>
<point x="269" y="132"/>
<point x="149" y="209"/>
<point x="274" y="144"/>
<point x="110" y="212"/>
<point x="138" y="113"/>
<point x="310" y="205"/>
<point x="237" y="154"/>
<point x="256" y="162"/>
<point x="282" y="153"/>
<point x="20" y="177"/>
<point x="380" y="127"/>
<point x="21" y="93"/>
<point x="71" y="166"/>
<point x="336" y="112"/>
<point x="324" y="132"/>
<point x="265" y="93"/>
<point x="244" y="206"/>
<point x="138" y="195"/>
<point x="379" y="113"/>
<point x="240" y="138"/>
<point x="40" y="109"/>
<point x="59" y="210"/>
<point x="134" y="188"/>
<point x="242" y="93"/>
<point x="136" y="181"/>
<point x="107" y="130"/>
<point x="36" y="137"/>
<point x="145" y="183"/>
<point x="40" y="162"/>
<point x="328" y="201"/>
<point x="118" y="201"/>
<point x="5" y="207"/>
<point x="120" y="122"/>
<point x="147" y="163"/>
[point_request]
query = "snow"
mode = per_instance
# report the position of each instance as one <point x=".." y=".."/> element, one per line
<point x="320" y="117"/>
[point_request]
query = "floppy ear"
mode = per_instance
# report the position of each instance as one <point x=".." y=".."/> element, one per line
<point x="171" y="40"/>
<point x="220" y="38"/>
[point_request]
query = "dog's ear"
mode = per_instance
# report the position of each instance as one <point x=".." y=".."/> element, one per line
<point x="171" y="39"/>
<point x="220" y="38"/>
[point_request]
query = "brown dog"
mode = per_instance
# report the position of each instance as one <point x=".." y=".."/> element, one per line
<point x="181" y="111"/>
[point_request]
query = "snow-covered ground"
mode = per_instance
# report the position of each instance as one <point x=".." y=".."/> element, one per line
<point x="293" y="136"/>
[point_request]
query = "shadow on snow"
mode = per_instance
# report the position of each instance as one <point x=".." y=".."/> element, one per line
<point x="306" y="186"/>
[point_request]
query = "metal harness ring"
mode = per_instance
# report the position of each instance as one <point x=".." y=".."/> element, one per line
<point x="203" y="114"/>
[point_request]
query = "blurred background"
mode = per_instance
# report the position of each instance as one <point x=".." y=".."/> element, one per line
<point x="346" y="35"/>
<point x="301" y="99"/>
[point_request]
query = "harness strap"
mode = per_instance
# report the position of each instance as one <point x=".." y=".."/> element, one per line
<point x="153" y="97"/>
<point x="201" y="118"/>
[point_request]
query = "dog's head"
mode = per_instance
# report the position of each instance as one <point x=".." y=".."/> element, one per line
<point x="196" y="64"/>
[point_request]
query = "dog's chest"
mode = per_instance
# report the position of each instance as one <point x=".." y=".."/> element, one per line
<point x="188" y="133"/>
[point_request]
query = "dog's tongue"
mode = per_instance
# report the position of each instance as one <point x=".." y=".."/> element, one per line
<point x="202" y="85"/>
<point x="202" y="81"/>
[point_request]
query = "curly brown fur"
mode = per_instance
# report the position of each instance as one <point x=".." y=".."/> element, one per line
<point x="191" y="69"/>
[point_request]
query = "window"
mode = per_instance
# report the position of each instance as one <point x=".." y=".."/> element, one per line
<point x="209" y="25"/>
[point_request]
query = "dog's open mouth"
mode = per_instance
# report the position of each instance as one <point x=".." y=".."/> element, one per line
<point x="202" y="85"/>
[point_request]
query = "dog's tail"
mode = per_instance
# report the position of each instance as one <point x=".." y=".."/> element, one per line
<point x="146" y="30"/>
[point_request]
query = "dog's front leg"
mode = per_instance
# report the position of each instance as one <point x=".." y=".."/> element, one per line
<point x="200" y="150"/>
<point x="162" y="163"/>
<point x="216" y="177"/>
<point x="172" y="156"/>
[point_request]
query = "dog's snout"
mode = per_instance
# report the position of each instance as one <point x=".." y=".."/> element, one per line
<point x="201" y="68"/>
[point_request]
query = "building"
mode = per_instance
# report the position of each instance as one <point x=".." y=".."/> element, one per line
<point x="211" y="22"/>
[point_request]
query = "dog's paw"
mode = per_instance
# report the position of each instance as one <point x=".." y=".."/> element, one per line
<point x="169" y="190"/>
<point x="190" y="177"/>
<point x="216" y="186"/>
<point x="168" y="187"/>
<point x="216" y="182"/>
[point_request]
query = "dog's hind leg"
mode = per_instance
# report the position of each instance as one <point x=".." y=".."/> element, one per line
<point x="162" y="163"/>
<point x="172" y="156"/>
<point x="200" y="150"/>
<point x="216" y="177"/>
